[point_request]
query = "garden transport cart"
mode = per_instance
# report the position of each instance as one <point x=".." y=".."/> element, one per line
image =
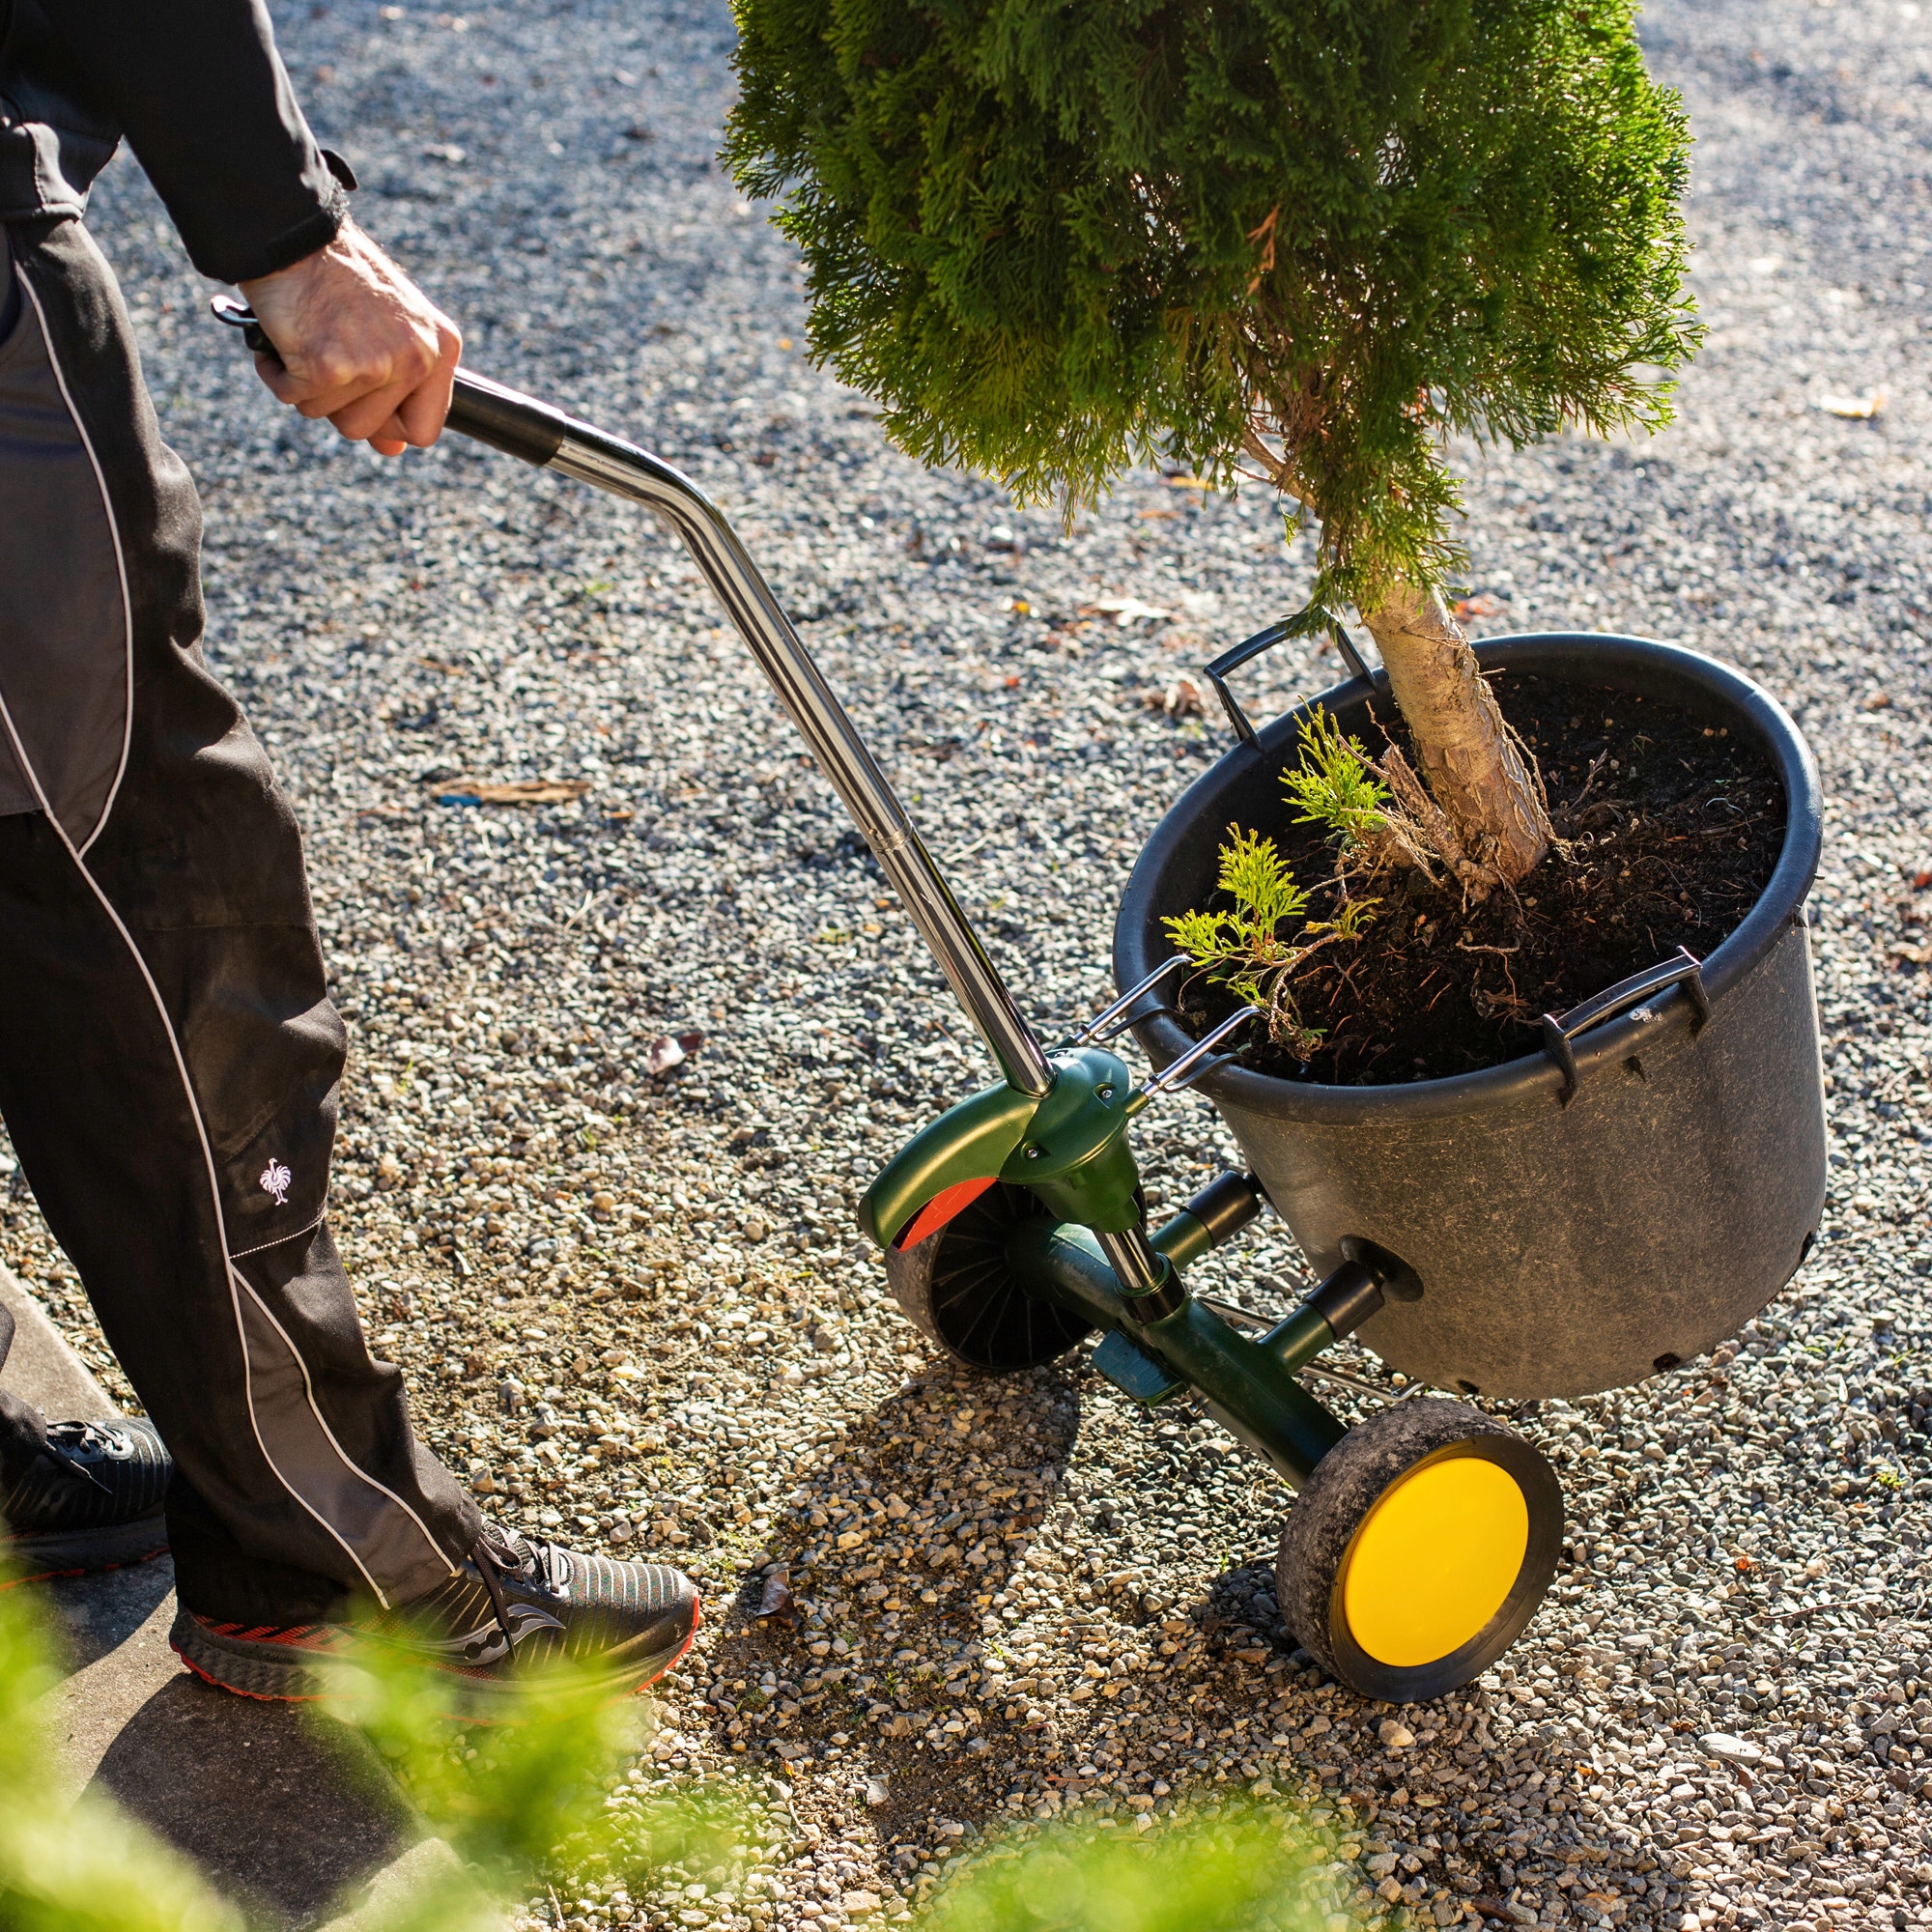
<point x="1013" y="1227"/>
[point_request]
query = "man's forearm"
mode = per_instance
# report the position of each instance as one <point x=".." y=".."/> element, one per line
<point x="207" y="106"/>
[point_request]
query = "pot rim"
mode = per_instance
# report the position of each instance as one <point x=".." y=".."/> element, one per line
<point x="1662" y="665"/>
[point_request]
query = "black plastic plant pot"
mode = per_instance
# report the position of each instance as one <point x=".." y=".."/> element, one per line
<point x="1569" y="1229"/>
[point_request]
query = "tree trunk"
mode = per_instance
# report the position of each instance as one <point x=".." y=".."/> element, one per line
<point x="1475" y="769"/>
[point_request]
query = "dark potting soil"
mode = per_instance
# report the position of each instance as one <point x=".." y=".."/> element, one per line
<point x="1672" y="829"/>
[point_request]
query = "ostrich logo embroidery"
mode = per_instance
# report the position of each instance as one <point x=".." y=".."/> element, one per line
<point x="275" y="1179"/>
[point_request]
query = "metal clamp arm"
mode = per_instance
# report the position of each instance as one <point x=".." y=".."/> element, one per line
<point x="1192" y="1064"/>
<point x="1102" y="1025"/>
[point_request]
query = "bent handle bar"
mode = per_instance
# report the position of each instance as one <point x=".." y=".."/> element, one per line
<point x="522" y="426"/>
<point x="538" y="434"/>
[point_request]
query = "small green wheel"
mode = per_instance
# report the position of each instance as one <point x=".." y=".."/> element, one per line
<point x="954" y="1287"/>
<point x="1419" y="1550"/>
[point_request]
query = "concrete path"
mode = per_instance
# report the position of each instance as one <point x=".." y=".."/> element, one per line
<point x="42" y="1367"/>
<point x="293" y="1819"/>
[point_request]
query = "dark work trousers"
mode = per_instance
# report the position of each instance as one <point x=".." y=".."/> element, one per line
<point x="169" y="1060"/>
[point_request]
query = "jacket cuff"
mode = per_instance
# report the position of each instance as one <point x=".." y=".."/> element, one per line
<point x="308" y="237"/>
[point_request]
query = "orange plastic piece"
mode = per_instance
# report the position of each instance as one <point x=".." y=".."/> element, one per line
<point x="942" y="1208"/>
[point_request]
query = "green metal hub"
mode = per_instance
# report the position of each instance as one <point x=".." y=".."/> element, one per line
<point x="1074" y="1154"/>
<point x="1069" y="1147"/>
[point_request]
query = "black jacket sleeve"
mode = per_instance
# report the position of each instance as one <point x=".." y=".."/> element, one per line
<point x="205" y="102"/>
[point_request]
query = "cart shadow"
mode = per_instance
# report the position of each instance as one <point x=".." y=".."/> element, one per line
<point x="861" y="1678"/>
<point x="971" y="1470"/>
<point x="959" y="1527"/>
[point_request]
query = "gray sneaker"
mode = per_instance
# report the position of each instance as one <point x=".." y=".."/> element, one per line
<point x="511" y="1607"/>
<point x="77" y="1496"/>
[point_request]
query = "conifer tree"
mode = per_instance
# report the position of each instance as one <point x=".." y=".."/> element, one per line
<point x="1306" y="239"/>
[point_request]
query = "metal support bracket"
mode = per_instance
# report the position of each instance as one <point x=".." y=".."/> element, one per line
<point x="1134" y="1372"/>
<point x="1682" y="969"/>
<point x="1216" y="673"/>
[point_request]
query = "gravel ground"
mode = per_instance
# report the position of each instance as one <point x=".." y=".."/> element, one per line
<point x="633" y="1307"/>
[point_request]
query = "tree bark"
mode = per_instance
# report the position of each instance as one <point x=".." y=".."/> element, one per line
<point x="1474" y="768"/>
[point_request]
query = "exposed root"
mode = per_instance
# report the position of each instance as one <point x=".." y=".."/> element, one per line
<point x="1416" y="836"/>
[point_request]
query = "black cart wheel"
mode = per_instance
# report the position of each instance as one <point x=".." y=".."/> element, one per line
<point x="957" y="1289"/>
<point x="1419" y="1550"/>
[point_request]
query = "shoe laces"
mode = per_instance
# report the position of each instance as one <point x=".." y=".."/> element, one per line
<point x="513" y="1554"/>
<point x="71" y="1445"/>
<point x="499" y="1552"/>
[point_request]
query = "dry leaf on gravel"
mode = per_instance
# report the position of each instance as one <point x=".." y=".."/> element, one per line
<point x="1124" y="611"/>
<point x="663" y="1054"/>
<point x="518" y="791"/>
<point x="1182" y="699"/>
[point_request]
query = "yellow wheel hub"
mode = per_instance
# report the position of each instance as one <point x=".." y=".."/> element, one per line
<point x="1434" y="1560"/>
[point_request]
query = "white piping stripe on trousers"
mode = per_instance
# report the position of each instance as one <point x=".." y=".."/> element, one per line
<point x="308" y="1389"/>
<point x="187" y="1084"/>
<point x="263" y="1247"/>
<point x="208" y="1153"/>
<point x="120" y="565"/>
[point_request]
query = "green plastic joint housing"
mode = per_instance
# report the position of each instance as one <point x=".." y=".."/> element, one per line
<point x="1069" y="1147"/>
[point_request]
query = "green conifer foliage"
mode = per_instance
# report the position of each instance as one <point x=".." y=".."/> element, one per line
<point x="1055" y="238"/>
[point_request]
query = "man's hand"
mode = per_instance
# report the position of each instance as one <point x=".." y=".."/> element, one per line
<point x="360" y="344"/>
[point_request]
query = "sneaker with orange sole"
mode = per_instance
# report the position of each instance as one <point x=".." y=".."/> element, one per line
<point x="512" y="1608"/>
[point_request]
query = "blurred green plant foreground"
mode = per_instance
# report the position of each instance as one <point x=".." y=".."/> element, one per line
<point x="530" y="1805"/>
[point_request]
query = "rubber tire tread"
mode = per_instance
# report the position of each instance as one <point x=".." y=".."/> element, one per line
<point x="916" y="1274"/>
<point x="1339" y="1496"/>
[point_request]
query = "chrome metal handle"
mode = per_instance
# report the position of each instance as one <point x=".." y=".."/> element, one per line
<point x="521" y="426"/>
<point x="505" y="419"/>
<point x="525" y="427"/>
